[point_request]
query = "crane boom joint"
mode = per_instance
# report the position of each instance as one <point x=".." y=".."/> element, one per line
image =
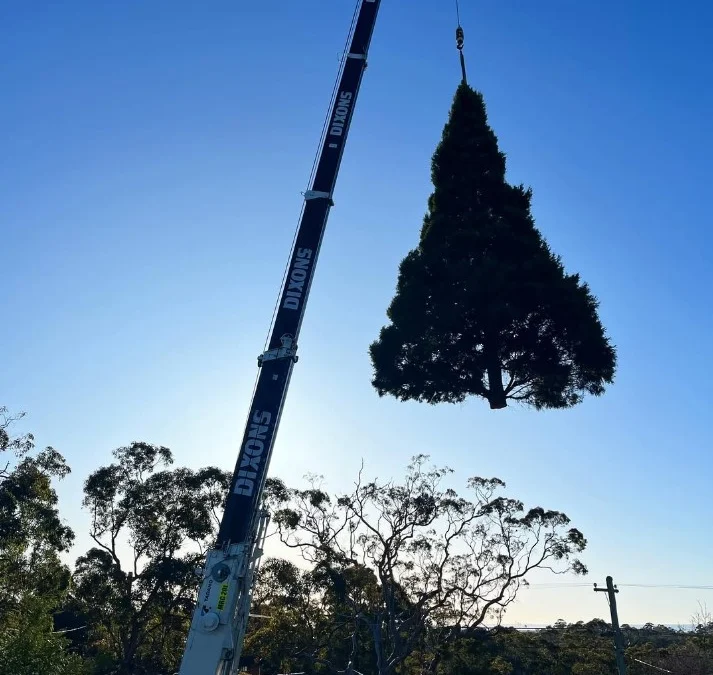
<point x="287" y="350"/>
<point x="309" y="195"/>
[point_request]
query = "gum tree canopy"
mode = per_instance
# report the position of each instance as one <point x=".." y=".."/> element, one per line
<point x="482" y="306"/>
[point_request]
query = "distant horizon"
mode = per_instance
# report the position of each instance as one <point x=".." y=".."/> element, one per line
<point x="524" y="626"/>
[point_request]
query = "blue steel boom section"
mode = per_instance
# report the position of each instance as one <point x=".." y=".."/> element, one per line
<point x="214" y="643"/>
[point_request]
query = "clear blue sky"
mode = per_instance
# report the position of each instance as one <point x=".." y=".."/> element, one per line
<point x="153" y="155"/>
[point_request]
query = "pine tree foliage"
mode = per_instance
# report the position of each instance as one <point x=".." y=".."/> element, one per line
<point x="483" y="307"/>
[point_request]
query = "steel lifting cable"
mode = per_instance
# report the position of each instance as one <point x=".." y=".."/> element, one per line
<point x="313" y="171"/>
<point x="460" y="39"/>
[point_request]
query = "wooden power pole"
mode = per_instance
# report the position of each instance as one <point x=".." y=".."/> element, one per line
<point x="612" y="590"/>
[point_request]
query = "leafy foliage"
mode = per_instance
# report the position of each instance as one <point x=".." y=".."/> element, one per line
<point x="406" y="577"/>
<point x="483" y="296"/>
<point x="413" y="561"/>
<point x="28" y="644"/>
<point x="29" y="519"/>
<point x="562" y="649"/>
<point x="139" y="604"/>
<point x="31" y="531"/>
<point x="291" y="631"/>
<point x="33" y="580"/>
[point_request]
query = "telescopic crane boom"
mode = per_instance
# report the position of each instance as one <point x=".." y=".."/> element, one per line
<point x="217" y="630"/>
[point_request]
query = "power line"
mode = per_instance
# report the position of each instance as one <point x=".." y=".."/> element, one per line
<point x="587" y="585"/>
<point x="698" y="588"/>
<point x="663" y="670"/>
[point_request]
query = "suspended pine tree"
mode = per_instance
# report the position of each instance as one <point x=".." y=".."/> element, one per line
<point x="482" y="306"/>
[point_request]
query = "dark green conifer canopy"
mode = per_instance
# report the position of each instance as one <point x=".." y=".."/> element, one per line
<point x="482" y="306"/>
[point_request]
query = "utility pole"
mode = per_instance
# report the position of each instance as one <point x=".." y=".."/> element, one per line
<point x="612" y="590"/>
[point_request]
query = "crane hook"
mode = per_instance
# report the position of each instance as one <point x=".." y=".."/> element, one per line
<point x="460" y="40"/>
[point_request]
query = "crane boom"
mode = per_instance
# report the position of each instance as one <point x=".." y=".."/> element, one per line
<point x="219" y="621"/>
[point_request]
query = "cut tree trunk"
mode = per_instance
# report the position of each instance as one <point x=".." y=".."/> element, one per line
<point x="496" y="391"/>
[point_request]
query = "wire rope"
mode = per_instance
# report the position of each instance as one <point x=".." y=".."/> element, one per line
<point x="315" y="163"/>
